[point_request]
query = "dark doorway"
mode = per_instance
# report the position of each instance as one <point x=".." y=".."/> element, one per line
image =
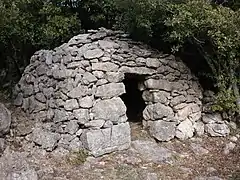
<point x="133" y="97"/>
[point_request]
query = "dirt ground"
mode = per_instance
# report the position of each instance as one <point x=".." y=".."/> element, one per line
<point x="207" y="161"/>
<point x="199" y="158"/>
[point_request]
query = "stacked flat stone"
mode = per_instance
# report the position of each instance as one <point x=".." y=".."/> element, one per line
<point x="73" y="92"/>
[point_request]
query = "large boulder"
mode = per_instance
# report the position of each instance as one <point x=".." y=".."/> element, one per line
<point x="162" y="130"/>
<point x="151" y="151"/>
<point x="103" y="141"/>
<point x="216" y="129"/>
<point x="48" y="140"/>
<point x="110" y="109"/>
<point x="5" y="120"/>
<point x="157" y="111"/>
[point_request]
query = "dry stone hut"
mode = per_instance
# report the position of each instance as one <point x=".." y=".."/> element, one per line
<point x="83" y="93"/>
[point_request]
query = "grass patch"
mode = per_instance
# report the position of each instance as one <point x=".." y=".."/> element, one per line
<point x="78" y="157"/>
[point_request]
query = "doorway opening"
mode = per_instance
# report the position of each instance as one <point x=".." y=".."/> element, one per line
<point x="133" y="97"/>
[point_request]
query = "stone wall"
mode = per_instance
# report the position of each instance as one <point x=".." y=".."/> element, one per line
<point x="73" y="93"/>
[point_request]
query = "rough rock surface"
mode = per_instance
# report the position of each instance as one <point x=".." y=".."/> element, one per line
<point x="151" y="151"/>
<point x="77" y="87"/>
<point x="14" y="166"/>
<point x="5" y="120"/>
<point x="214" y="125"/>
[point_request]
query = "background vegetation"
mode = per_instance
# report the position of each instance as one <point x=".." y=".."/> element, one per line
<point x="206" y="34"/>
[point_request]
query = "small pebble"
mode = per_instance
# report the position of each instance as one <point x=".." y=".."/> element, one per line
<point x="233" y="139"/>
<point x="229" y="147"/>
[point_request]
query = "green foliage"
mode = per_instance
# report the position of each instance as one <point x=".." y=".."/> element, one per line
<point x="78" y="157"/>
<point x="225" y="98"/>
<point x="28" y="25"/>
<point x="144" y="19"/>
<point x="96" y="13"/>
<point x="213" y="30"/>
<point x="225" y="101"/>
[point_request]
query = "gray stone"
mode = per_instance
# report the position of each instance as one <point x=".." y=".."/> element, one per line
<point x="185" y="130"/>
<point x="86" y="102"/>
<point x="92" y="54"/>
<point x="103" y="141"/>
<point x="49" y="58"/>
<point x="78" y="39"/>
<point x="151" y="151"/>
<point x="108" y="124"/>
<point x="60" y="115"/>
<point x="215" y="129"/>
<point x="158" y="84"/>
<point x="114" y="77"/>
<point x="79" y="132"/>
<point x="232" y="125"/>
<point x="141" y="60"/>
<point x="104" y="66"/>
<point x="152" y="62"/>
<point x="41" y="70"/>
<point x="228" y="148"/>
<point x="2" y="145"/>
<point x="75" y="144"/>
<point x="88" y="78"/>
<point x="59" y="74"/>
<point x="74" y="65"/>
<point x="110" y="109"/>
<point x="48" y="140"/>
<point x="78" y="87"/>
<point x="82" y="115"/>
<point x="23" y="175"/>
<point x="187" y="110"/>
<point x="98" y="35"/>
<point x="40" y="97"/>
<point x="137" y="70"/>
<point x="158" y="97"/>
<point x="14" y="166"/>
<point x="18" y="100"/>
<point x="207" y="178"/>
<point x="157" y="111"/>
<point x="177" y="100"/>
<point x="65" y="140"/>
<point x="78" y="92"/>
<point x="161" y="97"/>
<point x="24" y="127"/>
<point x="198" y="149"/>
<point x="95" y="124"/>
<point x="101" y="82"/>
<point x="72" y="127"/>
<point x="98" y="74"/>
<point x="118" y="58"/>
<point x="110" y="90"/>
<point x="105" y="59"/>
<point x="148" y="176"/>
<point x="66" y="59"/>
<point x="199" y="128"/>
<point x="48" y="92"/>
<point x="5" y="120"/>
<point x="147" y="96"/>
<point x="162" y="130"/>
<point x="27" y="90"/>
<point x="60" y="152"/>
<point x="212" y="118"/>
<point x="233" y="139"/>
<point x="71" y="104"/>
<point x="107" y="44"/>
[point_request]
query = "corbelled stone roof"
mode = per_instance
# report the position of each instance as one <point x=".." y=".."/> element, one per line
<point x="73" y="93"/>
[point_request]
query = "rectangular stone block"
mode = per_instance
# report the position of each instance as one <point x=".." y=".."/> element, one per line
<point x="103" y="141"/>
